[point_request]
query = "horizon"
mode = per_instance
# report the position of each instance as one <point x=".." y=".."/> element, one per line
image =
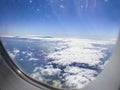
<point x="53" y="37"/>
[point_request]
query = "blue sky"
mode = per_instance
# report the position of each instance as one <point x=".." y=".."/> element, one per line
<point x="60" y="18"/>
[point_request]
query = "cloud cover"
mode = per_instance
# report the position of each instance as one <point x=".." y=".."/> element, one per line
<point x="80" y="51"/>
<point x="69" y="63"/>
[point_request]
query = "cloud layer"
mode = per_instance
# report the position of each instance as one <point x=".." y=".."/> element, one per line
<point x="62" y="62"/>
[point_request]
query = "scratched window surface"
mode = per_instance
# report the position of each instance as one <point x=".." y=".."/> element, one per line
<point x="62" y="43"/>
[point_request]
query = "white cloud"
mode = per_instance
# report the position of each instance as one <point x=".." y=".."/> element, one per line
<point x="74" y="77"/>
<point x="68" y="51"/>
<point x="78" y="77"/>
<point x="63" y="53"/>
<point x="40" y="74"/>
<point x="29" y="54"/>
<point x="30" y="1"/>
<point x="75" y="81"/>
<point x="33" y="59"/>
<point x="62" y="6"/>
<point x="12" y="55"/>
<point x="48" y="70"/>
<point x="79" y="51"/>
<point x="23" y="52"/>
<point x="37" y="76"/>
<point x="16" y="51"/>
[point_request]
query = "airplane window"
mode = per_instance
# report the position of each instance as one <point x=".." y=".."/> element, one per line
<point x="64" y="44"/>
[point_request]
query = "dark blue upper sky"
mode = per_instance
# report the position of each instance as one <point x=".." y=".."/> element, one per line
<point x="64" y="18"/>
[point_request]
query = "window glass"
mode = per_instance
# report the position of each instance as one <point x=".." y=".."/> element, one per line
<point x="62" y="43"/>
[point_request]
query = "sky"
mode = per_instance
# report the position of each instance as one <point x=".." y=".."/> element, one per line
<point x="60" y="18"/>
